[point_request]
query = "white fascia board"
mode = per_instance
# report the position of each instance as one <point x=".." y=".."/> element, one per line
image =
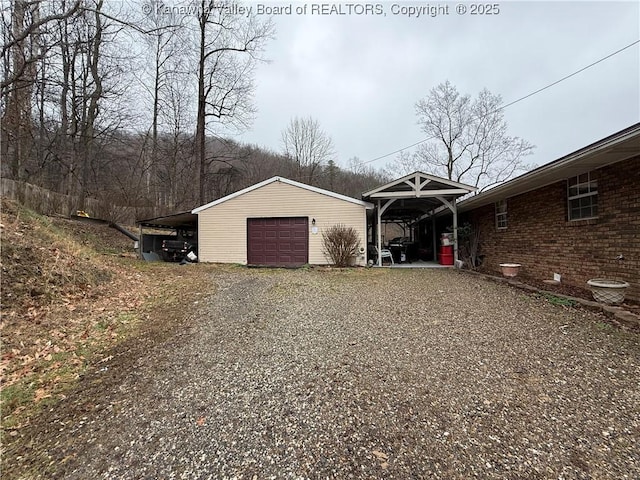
<point x="326" y="192"/>
<point x="421" y="194"/>
<point x="451" y="183"/>
<point x="235" y="194"/>
<point x="388" y="185"/>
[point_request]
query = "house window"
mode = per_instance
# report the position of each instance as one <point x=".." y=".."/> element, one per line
<point x="582" y="194"/>
<point x="501" y="214"/>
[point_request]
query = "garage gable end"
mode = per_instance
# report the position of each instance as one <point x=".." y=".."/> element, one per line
<point x="278" y="224"/>
<point x="288" y="182"/>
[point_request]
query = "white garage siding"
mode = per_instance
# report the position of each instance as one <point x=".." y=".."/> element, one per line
<point x="222" y="227"/>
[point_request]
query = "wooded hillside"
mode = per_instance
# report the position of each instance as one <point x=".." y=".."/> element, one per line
<point x="137" y="106"/>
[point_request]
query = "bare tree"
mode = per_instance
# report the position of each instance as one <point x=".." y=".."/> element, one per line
<point x="163" y="40"/>
<point x="20" y="38"/>
<point x="74" y="117"/>
<point x="307" y="145"/>
<point x="30" y="37"/>
<point x="258" y="164"/>
<point x="174" y="165"/>
<point x="93" y="91"/>
<point x="469" y="142"/>
<point x="20" y="52"/>
<point x="229" y="45"/>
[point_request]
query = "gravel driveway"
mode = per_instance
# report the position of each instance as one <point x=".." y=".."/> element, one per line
<point x="372" y="373"/>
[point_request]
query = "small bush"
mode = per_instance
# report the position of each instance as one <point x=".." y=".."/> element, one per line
<point x="469" y="239"/>
<point x="340" y="244"/>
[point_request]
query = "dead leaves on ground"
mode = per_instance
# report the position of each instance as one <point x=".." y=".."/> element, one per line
<point x="46" y="348"/>
<point x="64" y="301"/>
<point x="382" y="458"/>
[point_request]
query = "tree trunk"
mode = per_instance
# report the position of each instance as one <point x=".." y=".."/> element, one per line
<point x="17" y="124"/>
<point x="92" y="110"/>
<point x="200" y="133"/>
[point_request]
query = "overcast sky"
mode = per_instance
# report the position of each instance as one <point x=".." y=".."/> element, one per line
<point x="360" y="76"/>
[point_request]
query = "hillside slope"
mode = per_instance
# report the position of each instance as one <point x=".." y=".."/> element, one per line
<point x="43" y="264"/>
<point x="71" y="293"/>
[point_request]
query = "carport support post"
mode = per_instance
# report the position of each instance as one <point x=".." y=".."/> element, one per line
<point x="435" y="237"/>
<point x="455" y="232"/>
<point x="379" y="235"/>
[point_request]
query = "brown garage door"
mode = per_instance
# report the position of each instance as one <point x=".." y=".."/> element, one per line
<point x="279" y="242"/>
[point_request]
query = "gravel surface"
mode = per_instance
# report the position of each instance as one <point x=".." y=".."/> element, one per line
<point x="369" y="373"/>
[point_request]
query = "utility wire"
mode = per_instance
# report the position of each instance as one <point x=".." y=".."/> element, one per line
<point x="570" y="75"/>
<point x="502" y="107"/>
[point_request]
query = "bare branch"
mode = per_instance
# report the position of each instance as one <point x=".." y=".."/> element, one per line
<point x="469" y="141"/>
<point x="307" y="145"/>
<point x="35" y="26"/>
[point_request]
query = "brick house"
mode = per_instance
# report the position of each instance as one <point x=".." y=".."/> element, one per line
<point x="578" y="216"/>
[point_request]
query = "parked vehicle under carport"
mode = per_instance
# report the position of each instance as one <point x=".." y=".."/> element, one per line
<point x="403" y="249"/>
<point x="177" y="250"/>
<point x="178" y="246"/>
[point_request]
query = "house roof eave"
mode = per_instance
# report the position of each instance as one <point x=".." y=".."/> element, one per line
<point x="607" y="151"/>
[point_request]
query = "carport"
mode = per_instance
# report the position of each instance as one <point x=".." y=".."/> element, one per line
<point x="183" y="225"/>
<point x="412" y="199"/>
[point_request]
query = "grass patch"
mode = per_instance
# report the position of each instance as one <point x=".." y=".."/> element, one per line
<point x="559" y="301"/>
<point x="15" y="398"/>
<point x="606" y="327"/>
<point x="40" y="376"/>
<point x="69" y="310"/>
<point x="65" y="304"/>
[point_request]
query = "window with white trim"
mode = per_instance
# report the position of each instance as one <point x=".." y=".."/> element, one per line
<point x="501" y="214"/>
<point x="582" y="196"/>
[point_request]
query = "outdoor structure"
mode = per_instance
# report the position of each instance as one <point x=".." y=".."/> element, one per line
<point x="277" y="222"/>
<point x="413" y="199"/>
<point x="181" y="226"/>
<point x="578" y="216"/>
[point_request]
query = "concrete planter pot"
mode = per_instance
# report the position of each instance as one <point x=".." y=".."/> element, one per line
<point x="510" y="270"/>
<point x="608" y="291"/>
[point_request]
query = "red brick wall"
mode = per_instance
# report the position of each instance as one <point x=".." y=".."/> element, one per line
<point x="540" y="237"/>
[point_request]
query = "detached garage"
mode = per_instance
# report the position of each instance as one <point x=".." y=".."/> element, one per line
<point x="278" y="222"/>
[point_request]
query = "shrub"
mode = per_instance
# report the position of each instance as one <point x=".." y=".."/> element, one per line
<point x="469" y="237"/>
<point x="340" y="244"/>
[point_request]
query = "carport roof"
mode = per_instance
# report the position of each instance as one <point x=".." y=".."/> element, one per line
<point x="176" y="220"/>
<point x="415" y="194"/>
<point x="413" y="186"/>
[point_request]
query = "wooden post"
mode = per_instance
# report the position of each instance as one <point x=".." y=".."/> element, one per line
<point x="435" y="237"/>
<point x="455" y="231"/>
<point x="379" y="239"/>
<point x="140" y="243"/>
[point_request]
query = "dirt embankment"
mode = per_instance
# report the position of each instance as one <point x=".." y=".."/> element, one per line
<point x="72" y="295"/>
